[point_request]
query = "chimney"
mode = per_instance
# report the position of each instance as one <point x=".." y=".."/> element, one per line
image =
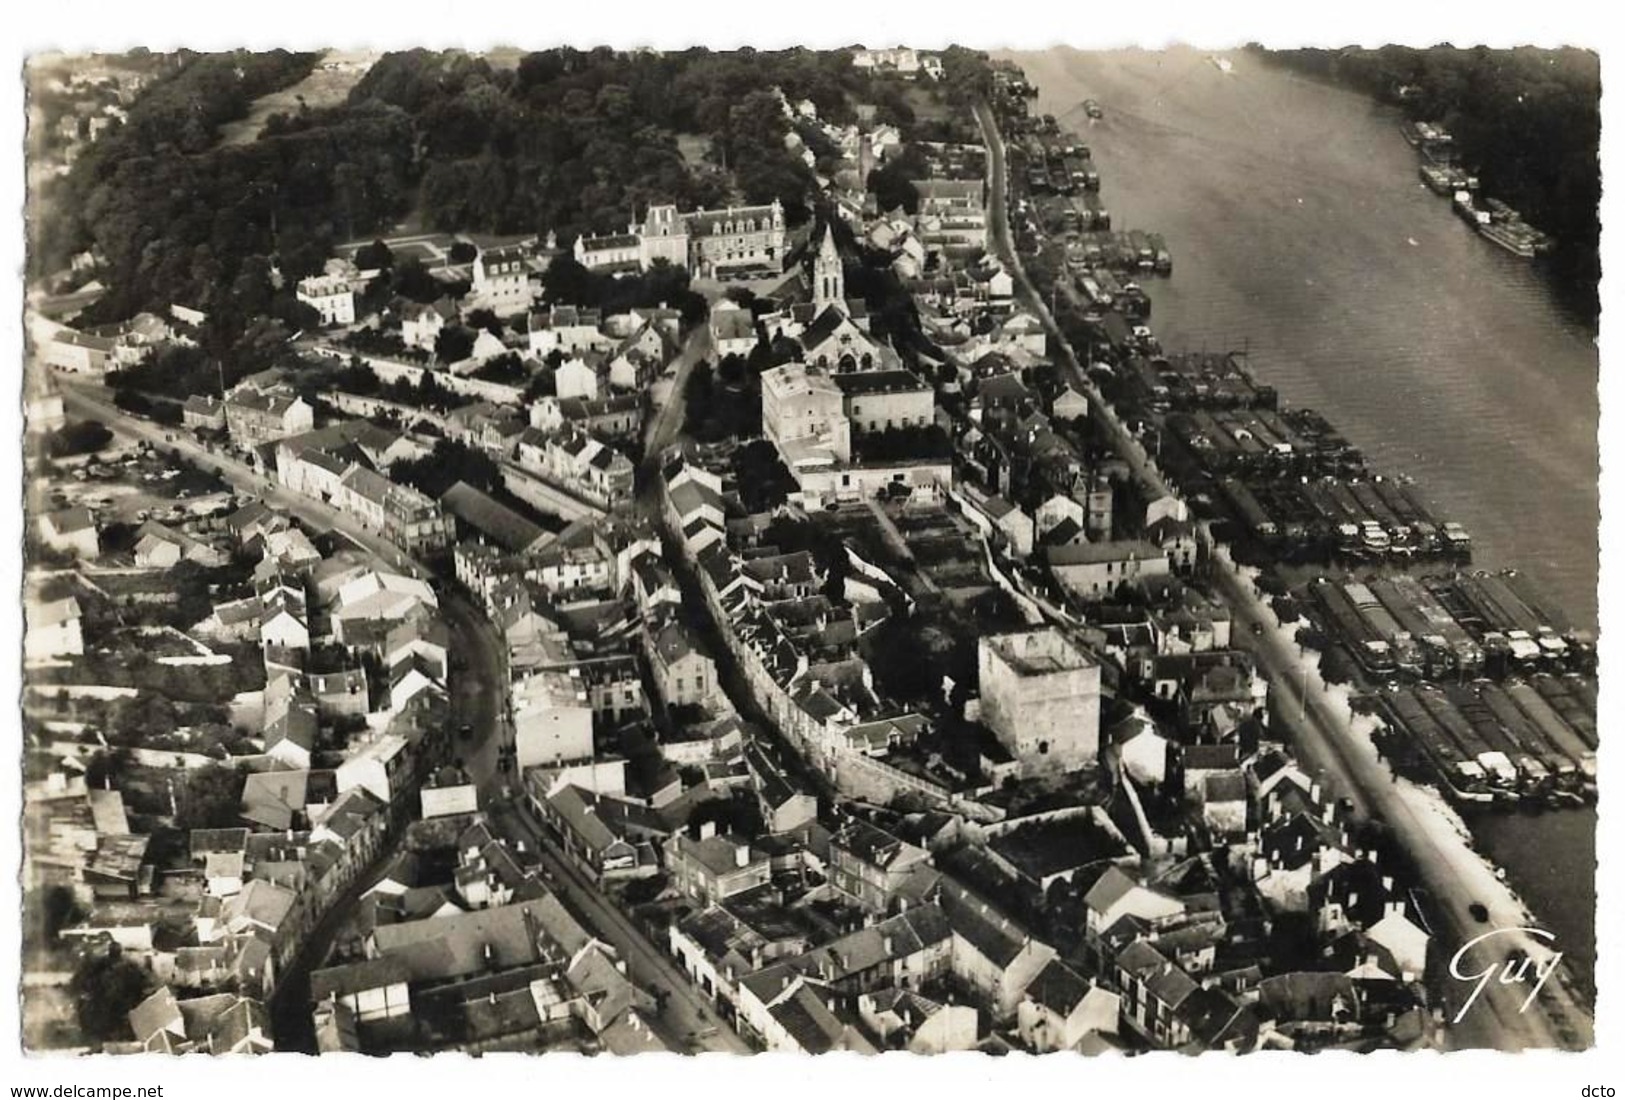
<point x="1314" y="792"/>
<point x="1387" y="884"/>
<point x="742" y="855"/>
<point x="708" y="829"/>
<point x="886" y="944"/>
<point x="1326" y="814"/>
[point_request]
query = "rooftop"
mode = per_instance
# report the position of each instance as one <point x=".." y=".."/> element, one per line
<point x="1038" y="652"/>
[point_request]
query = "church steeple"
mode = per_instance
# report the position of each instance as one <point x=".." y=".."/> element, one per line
<point x="829" y="280"/>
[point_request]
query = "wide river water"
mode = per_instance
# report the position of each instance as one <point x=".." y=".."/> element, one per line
<point x="1301" y="232"/>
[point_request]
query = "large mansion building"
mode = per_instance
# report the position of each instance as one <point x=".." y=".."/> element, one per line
<point x="713" y="244"/>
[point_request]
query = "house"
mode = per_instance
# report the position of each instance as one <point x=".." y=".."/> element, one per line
<point x="161" y="547"/>
<point x="1224" y="804"/>
<point x="877" y="400"/>
<point x="1291" y="854"/>
<point x="714" y="867"/>
<point x="869" y="865"/>
<point x="733" y="329"/>
<point x="1116" y="895"/>
<point x="449" y="792"/>
<point x="1405" y="941"/>
<point x="800" y="1020"/>
<point x="341" y="693"/>
<point x="274" y="799"/>
<point x="1098" y="569"/>
<point x="597" y="840"/>
<point x="70" y="531"/>
<point x="398" y="512"/>
<point x="1069" y="404"/>
<point x="421" y="323"/>
<point x="1141" y="751"/>
<point x="786" y="806"/>
<point x="204" y="413"/>
<point x="552" y="719"/>
<point x="291" y="549"/>
<point x="1177" y="540"/>
<point x="579" y="463"/>
<point x="254" y="521"/>
<point x="1059" y="1007"/>
<point x="222" y="1023"/>
<point x="905" y="1019"/>
<point x="383" y="767"/>
<point x="992" y="954"/>
<point x="576" y="378"/>
<point x="330" y="296"/>
<point x="53" y="629"/>
<point x="501" y="279"/>
<point x="1014" y="525"/>
<point x="684" y="674"/>
<point x="568" y="329"/>
<point x="609" y="252"/>
<point x="1154" y="991"/>
<point x="78" y="352"/>
<point x="254" y="418"/>
<point x="1056" y="512"/>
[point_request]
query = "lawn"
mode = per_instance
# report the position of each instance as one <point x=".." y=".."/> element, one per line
<point x="322" y="88"/>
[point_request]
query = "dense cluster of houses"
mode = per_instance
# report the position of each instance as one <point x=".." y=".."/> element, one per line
<point x="351" y="716"/>
<point x="489" y="960"/>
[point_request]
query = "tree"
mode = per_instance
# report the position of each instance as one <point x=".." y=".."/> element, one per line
<point x="103" y="770"/>
<point x="731" y="370"/>
<point x="78" y="438"/>
<point x="454" y="344"/>
<point x="49" y="911"/>
<point x="374" y="257"/>
<point x="462" y="252"/>
<point x="211" y="798"/>
<point x="485" y="319"/>
<point x="105" y="987"/>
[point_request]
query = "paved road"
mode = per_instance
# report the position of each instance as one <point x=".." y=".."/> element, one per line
<point x="663" y="427"/>
<point x="477" y="701"/>
<point x="1151" y="480"/>
<point x="478" y="693"/>
<point x="1452" y="873"/>
<point x="94" y="401"/>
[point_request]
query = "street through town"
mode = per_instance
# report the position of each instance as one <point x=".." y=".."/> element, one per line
<point x="478" y="700"/>
<point x="1452" y="873"/>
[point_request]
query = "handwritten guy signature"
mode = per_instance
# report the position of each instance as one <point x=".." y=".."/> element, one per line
<point x="1517" y="969"/>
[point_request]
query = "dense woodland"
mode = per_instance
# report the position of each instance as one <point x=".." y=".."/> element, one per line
<point x="567" y="141"/>
<point x="1528" y="121"/>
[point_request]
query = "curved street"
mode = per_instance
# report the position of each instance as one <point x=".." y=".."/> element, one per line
<point x="478" y="692"/>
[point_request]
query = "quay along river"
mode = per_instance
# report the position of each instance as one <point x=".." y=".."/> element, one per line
<point x="1301" y="233"/>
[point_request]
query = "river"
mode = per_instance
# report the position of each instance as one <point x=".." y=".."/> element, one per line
<point x="1300" y="232"/>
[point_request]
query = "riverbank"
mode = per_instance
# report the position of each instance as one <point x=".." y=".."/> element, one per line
<point x="1548" y="99"/>
<point x="1356" y="294"/>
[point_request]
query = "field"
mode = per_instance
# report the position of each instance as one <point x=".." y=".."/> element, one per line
<point x="325" y="87"/>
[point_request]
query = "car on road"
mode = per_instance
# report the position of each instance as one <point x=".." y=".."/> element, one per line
<point x="1479" y="911"/>
<point x="1257" y="629"/>
<point x="466" y="732"/>
<point x="1092" y="109"/>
